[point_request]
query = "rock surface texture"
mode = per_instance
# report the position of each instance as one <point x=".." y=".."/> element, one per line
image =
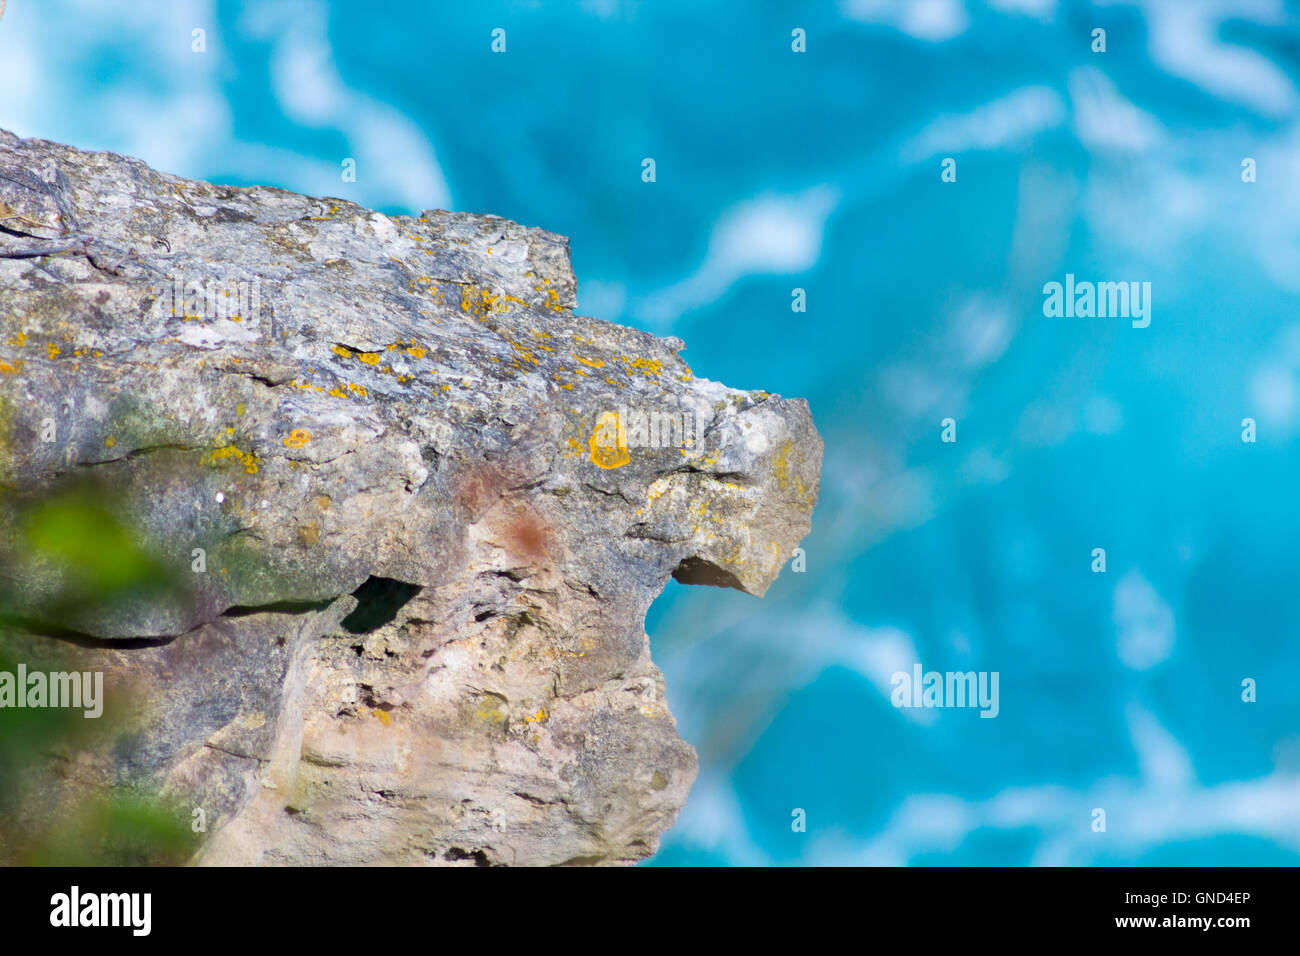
<point x="420" y="508"/>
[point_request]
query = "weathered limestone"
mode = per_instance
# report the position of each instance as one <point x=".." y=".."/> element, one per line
<point x="297" y="399"/>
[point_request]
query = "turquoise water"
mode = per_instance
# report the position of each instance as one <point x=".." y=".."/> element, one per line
<point x="777" y="170"/>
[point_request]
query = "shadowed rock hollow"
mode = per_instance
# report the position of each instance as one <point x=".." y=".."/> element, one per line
<point x="418" y="507"/>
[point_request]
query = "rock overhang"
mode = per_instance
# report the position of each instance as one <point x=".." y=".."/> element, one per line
<point x="311" y="394"/>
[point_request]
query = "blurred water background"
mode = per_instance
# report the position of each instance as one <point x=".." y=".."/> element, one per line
<point x="820" y="170"/>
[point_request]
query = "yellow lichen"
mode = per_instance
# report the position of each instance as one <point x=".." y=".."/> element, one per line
<point x="607" y="444"/>
<point x="228" y="452"/>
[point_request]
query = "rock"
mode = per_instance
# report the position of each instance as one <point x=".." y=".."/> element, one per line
<point x="406" y="512"/>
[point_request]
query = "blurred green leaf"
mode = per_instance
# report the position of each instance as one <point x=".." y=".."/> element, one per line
<point x="76" y="538"/>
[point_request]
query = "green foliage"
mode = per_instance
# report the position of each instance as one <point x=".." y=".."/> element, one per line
<point x="74" y="542"/>
<point x="115" y="830"/>
<point x="85" y="556"/>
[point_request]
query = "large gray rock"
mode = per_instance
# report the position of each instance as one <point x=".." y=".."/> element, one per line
<point x="327" y="400"/>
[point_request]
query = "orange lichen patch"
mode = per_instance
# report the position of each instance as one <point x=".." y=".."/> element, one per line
<point x="415" y="351"/>
<point x="785" y="478"/>
<point x="781" y="465"/>
<point x="314" y="388"/>
<point x="18" y="340"/>
<point x="476" y="301"/>
<point x="370" y="358"/>
<point x="229" y="452"/>
<point x="525" y="354"/>
<point x="342" y="350"/>
<point x="7" y="369"/>
<point x="607" y="444"/>
<point x="338" y="392"/>
<point x="356" y="389"/>
<point x="590" y="363"/>
<point x="110" y="441"/>
<point x="774" y="549"/>
<point x="705" y="460"/>
<point x="552" y="654"/>
<point x="378" y="713"/>
<point x="489" y="712"/>
<point x="297" y="438"/>
<point x="53" y="350"/>
<point x="650" y="368"/>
